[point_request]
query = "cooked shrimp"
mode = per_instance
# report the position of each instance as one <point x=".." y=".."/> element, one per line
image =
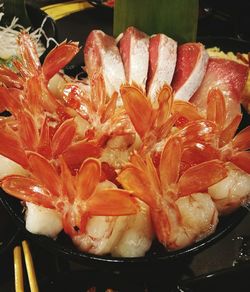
<point x="43" y="221"/>
<point x="137" y="237"/>
<point x="161" y="188"/>
<point x="218" y="139"/>
<point x="232" y="191"/>
<point x="32" y="77"/>
<point x="232" y="147"/>
<point x="102" y="232"/>
<point x="120" y="235"/>
<point x="104" y="117"/>
<point x="197" y="207"/>
<point x="76" y="198"/>
<point x="79" y="145"/>
<point x="118" y="150"/>
<point x="152" y="125"/>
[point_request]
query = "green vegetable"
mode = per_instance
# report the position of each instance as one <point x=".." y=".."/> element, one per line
<point x="176" y="18"/>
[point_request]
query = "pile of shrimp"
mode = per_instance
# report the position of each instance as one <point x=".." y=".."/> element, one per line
<point x="124" y="156"/>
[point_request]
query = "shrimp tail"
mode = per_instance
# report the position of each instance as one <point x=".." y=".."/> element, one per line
<point x="242" y="160"/>
<point x="12" y="147"/>
<point x="199" y="177"/>
<point x="27" y="189"/>
<point x="29" y="54"/>
<point x="229" y="131"/>
<point x="134" y="99"/>
<point x="216" y="107"/>
<point x="58" y="58"/>
<point x="77" y="152"/>
<point x="187" y="112"/>
<point x="63" y="137"/>
<point x="10" y="78"/>
<point x="10" y="100"/>
<point x="241" y="141"/>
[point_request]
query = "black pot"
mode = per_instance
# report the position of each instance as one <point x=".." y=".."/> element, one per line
<point x="157" y="255"/>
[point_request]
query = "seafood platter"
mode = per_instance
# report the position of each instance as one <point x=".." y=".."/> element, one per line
<point x="139" y="161"/>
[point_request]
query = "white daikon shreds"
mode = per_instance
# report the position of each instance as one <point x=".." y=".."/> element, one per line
<point x="9" y="34"/>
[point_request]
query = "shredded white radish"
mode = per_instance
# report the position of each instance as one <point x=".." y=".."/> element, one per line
<point x="9" y="34"/>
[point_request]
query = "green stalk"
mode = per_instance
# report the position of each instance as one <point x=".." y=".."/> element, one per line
<point x="16" y="8"/>
<point x="176" y="18"/>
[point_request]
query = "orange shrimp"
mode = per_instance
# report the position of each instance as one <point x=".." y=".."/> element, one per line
<point x="102" y="114"/>
<point x="152" y="125"/>
<point x="76" y="198"/>
<point x="223" y="144"/>
<point x="231" y="147"/>
<point x="106" y="125"/>
<point x="231" y="192"/>
<point x="155" y="125"/>
<point x="42" y="122"/>
<point x="174" y="200"/>
<point x="28" y="137"/>
<point x="32" y="78"/>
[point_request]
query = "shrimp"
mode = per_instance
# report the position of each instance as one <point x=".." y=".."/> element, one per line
<point x="120" y="236"/>
<point x="78" y="145"/>
<point x="103" y="124"/>
<point x="101" y="113"/>
<point x="32" y="77"/>
<point x="227" y="76"/>
<point x="38" y="115"/>
<point x="232" y="148"/>
<point x="76" y="198"/>
<point x="43" y="221"/>
<point x="118" y="150"/>
<point x="102" y="232"/>
<point x="152" y="125"/>
<point x="175" y="200"/>
<point x="28" y="137"/>
<point x="137" y="238"/>
<point x="221" y="143"/>
<point x="155" y="125"/>
<point x="232" y="191"/>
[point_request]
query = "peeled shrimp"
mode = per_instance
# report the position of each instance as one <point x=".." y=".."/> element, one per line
<point x="137" y="237"/>
<point x="118" y="150"/>
<point x="178" y="221"/>
<point x="121" y="236"/>
<point x="43" y="221"/>
<point x="231" y="192"/>
<point x="197" y="207"/>
<point x="102" y="232"/>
